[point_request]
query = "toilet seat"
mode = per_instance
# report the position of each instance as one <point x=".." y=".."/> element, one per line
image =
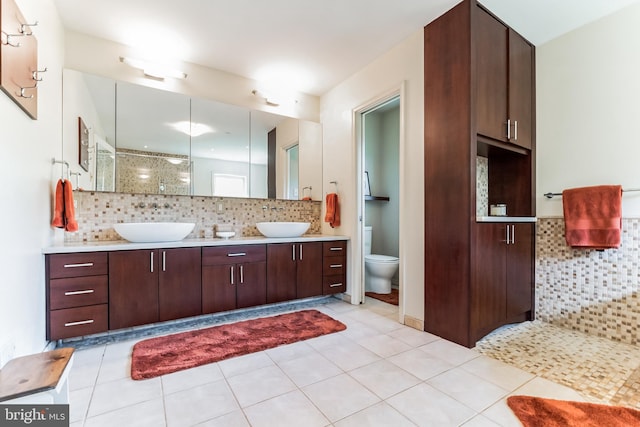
<point x="381" y="258"/>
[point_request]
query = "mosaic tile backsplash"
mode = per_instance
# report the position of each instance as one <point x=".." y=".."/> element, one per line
<point x="592" y="291"/>
<point x="96" y="213"/>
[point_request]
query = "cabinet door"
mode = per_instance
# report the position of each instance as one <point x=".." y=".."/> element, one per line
<point x="133" y="288"/>
<point x="179" y="283"/>
<point x="488" y="279"/>
<point x="309" y="269"/>
<point x="520" y="260"/>
<point x="218" y="293"/>
<point x="492" y="79"/>
<point x="521" y="76"/>
<point x="251" y="287"/>
<point x="281" y="272"/>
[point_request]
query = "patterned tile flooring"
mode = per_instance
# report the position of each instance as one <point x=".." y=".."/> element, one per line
<point x="600" y="369"/>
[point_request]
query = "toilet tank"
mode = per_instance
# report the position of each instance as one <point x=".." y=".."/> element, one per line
<point x="367" y="240"/>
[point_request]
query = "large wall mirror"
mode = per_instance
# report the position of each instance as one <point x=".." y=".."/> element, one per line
<point x="149" y="141"/>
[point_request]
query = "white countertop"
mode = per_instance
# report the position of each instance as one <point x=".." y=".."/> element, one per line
<point x="506" y="219"/>
<point x="123" y="245"/>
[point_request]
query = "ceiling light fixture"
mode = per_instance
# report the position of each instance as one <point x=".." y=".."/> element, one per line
<point x="153" y="69"/>
<point x="269" y="99"/>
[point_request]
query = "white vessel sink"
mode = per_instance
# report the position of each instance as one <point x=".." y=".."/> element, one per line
<point x="143" y="232"/>
<point x="282" y="229"/>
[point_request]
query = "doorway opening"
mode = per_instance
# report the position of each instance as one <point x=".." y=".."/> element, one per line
<point x="379" y="126"/>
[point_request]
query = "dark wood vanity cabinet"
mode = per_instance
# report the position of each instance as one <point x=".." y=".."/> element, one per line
<point x="504" y="70"/>
<point x="233" y="277"/>
<point x="77" y="294"/>
<point x="147" y="286"/>
<point x="502" y="278"/>
<point x="479" y="77"/>
<point x="334" y="267"/>
<point x="294" y="270"/>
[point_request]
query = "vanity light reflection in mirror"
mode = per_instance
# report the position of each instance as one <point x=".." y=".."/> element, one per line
<point x="169" y="143"/>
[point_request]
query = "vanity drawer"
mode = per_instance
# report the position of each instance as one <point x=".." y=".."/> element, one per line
<point x="78" y="291"/>
<point x="80" y="264"/>
<point x="331" y="249"/>
<point x="76" y="322"/>
<point x="334" y="284"/>
<point x="234" y="254"/>
<point x="333" y="265"/>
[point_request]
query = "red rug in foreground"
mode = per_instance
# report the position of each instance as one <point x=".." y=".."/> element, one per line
<point x="539" y="412"/>
<point x="391" y="298"/>
<point x="171" y="353"/>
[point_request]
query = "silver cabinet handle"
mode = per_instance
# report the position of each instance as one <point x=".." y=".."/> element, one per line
<point x="82" y="322"/>
<point x="300" y="251"/>
<point x="87" y="291"/>
<point x="335" y="285"/>
<point x="231" y="268"/>
<point x="86" y="264"/>
<point x="515" y="130"/>
<point x="335" y="265"/>
<point x="509" y="129"/>
<point x="237" y="254"/>
<point x="508" y="238"/>
<point x="164" y="261"/>
<point x="151" y="261"/>
<point x="335" y="249"/>
<point x="513" y="234"/>
<point x="241" y="275"/>
<point x="293" y="252"/>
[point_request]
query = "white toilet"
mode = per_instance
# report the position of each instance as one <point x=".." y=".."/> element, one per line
<point x="378" y="269"/>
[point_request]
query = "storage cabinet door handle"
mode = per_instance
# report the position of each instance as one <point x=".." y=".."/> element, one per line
<point x="508" y="237"/>
<point x="87" y="291"/>
<point x="241" y="275"/>
<point x="513" y="234"/>
<point x="509" y="129"/>
<point x="237" y="254"/>
<point x="335" y="265"/>
<point x="300" y="251"/>
<point x="86" y="264"/>
<point x="335" y="285"/>
<point x="231" y="268"/>
<point x="515" y="130"/>
<point x="82" y="322"/>
<point x="293" y="252"/>
<point x="151" y="261"/>
<point x="335" y="249"/>
<point x="164" y="261"/>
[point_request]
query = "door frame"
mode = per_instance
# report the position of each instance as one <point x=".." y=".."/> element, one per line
<point x="358" y="289"/>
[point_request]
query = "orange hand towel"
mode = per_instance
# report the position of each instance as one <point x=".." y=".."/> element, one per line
<point x="63" y="211"/>
<point x="593" y="216"/>
<point x="58" y="207"/>
<point x="70" y="223"/>
<point x="333" y="210"/>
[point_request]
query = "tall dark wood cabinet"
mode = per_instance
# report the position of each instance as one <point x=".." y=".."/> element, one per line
<point x="479" y="102"/>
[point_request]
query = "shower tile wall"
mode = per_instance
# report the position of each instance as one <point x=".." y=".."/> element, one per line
<point x="97" y="212"/>
<point x="587" y="290"/>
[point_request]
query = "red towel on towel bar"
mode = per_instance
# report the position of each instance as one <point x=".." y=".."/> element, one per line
<point x="333" y="210"/>
<point x="593" y="216"/>
<point x="64" y="215"/>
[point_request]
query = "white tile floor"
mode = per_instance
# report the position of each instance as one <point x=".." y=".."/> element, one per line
<point x="375" y="373"/>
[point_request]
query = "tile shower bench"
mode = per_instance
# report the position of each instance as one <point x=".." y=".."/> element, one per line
<point x="96" y="287"/>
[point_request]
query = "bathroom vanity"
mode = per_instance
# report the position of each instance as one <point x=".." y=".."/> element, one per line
<point x="103" y="286"/>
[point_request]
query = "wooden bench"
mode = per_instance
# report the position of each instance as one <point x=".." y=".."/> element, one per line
<point x="37" y="379"/>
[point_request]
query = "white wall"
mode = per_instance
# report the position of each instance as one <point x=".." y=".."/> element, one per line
<point x="28" y="180"/>
<point x="588" y="88"/>
<point x="404" y="63"/>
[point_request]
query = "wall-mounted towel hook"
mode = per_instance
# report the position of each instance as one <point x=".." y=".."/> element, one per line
<point x="23" y="28"/>
<point x="7" y="40"/>
<point x="36" y="74"/>
<point x="335" y="183"/>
